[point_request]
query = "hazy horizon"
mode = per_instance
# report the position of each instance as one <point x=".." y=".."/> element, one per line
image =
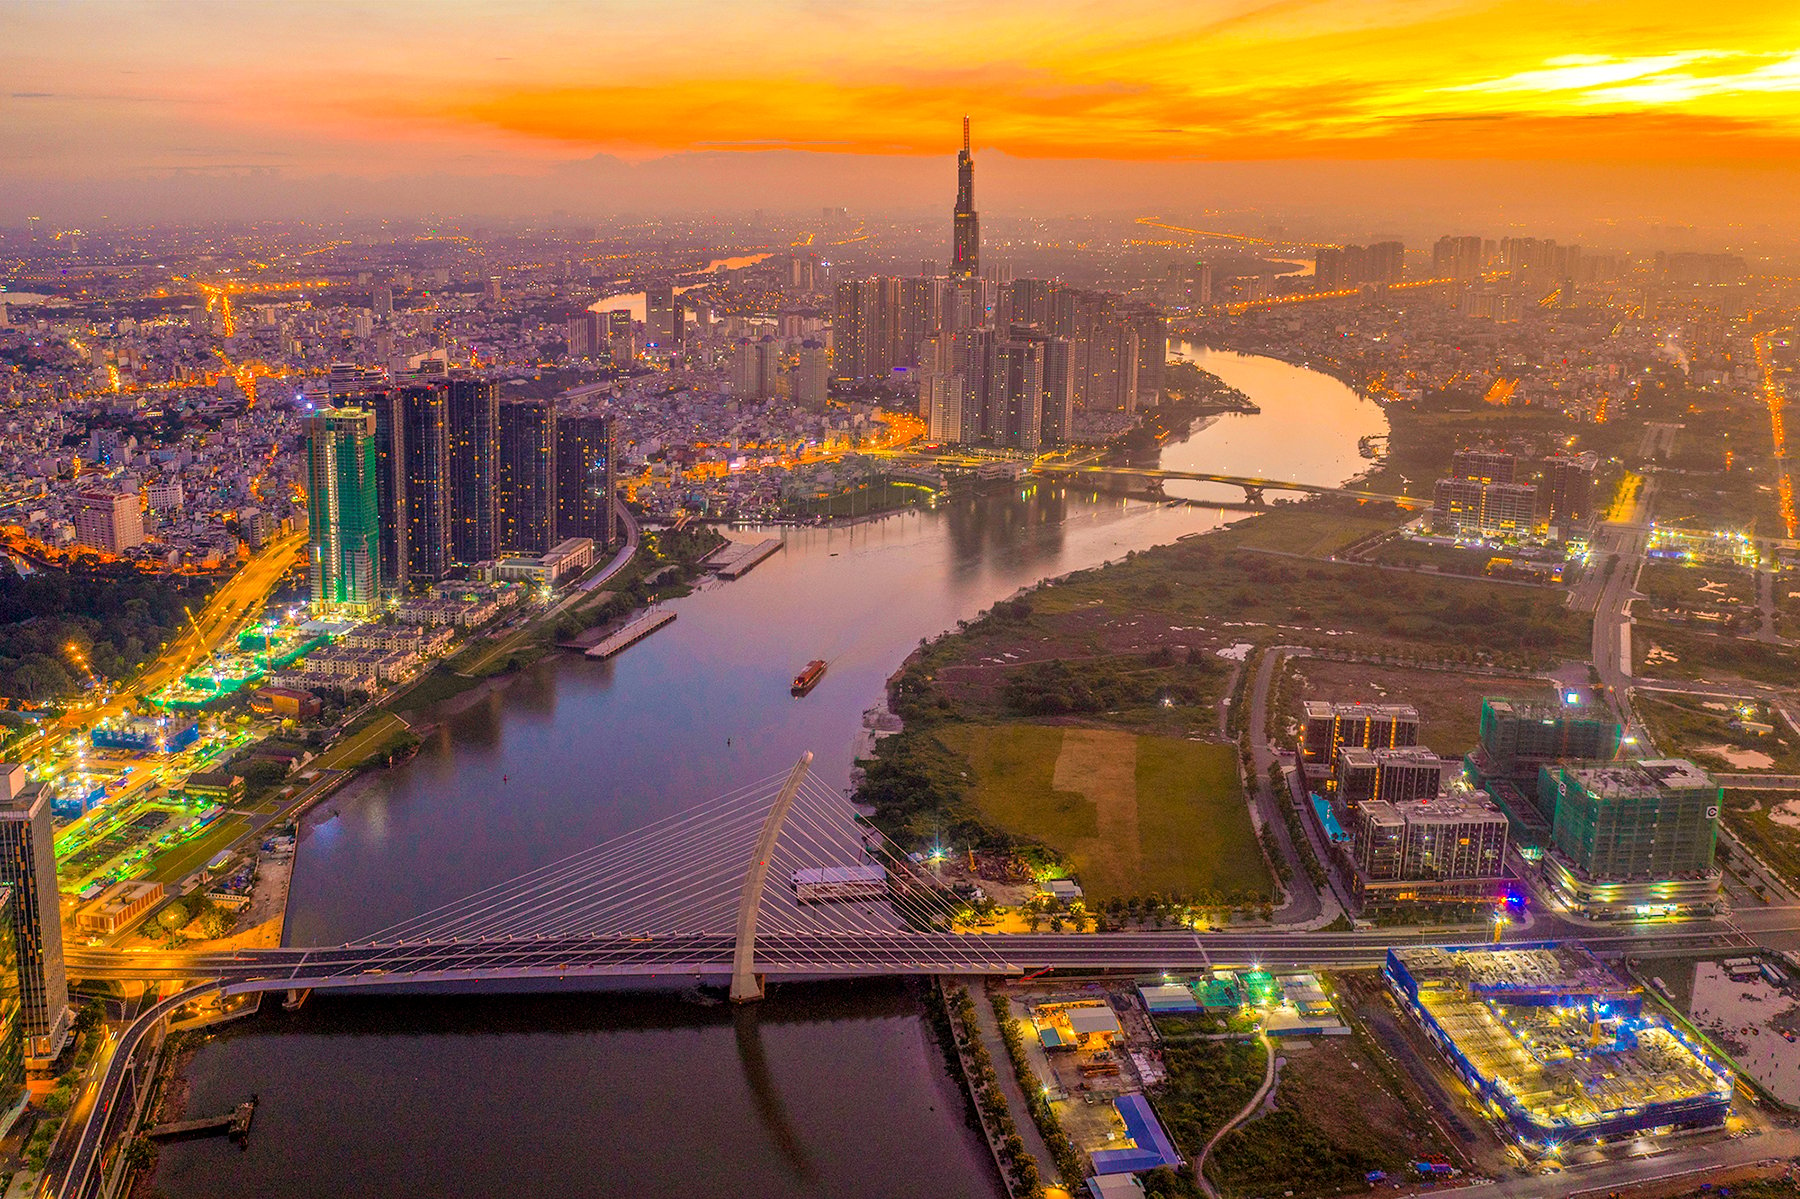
<point x="1486" y="114"/>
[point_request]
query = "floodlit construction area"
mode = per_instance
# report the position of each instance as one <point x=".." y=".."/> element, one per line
<point x="1557" y="1047"/>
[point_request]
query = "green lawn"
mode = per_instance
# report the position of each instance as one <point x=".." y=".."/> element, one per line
<point x="1133" y="815"/>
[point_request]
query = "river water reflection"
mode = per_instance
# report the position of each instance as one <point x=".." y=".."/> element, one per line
<point x="595" y="1094"/>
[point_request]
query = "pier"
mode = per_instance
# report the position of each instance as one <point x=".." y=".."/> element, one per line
<point x="631" y="634"/>
<point x="739" y="558"/>
<point x="234" y="1124"/>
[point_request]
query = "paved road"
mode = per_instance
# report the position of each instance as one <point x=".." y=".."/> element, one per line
<point x="1304" y="903"/>
<point x="234" y="600"/>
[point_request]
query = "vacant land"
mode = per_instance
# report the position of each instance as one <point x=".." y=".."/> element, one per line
<point x="1449" y="704"/>
<point x="1667" y="651"/>
<point x="1133" y="815"/>
<point x="1300" y="531"/>
<point x="1336" y="1118"/>
<point x="1701" y="729"/>
<point x="1768" y="822"/>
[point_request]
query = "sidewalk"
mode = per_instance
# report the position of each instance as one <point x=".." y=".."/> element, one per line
<point x="989" y="1029"/>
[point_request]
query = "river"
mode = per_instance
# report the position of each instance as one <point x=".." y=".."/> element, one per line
<point x="821" y="1090"/>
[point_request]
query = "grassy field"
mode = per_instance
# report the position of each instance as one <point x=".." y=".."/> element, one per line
<point x="1353" y="605"/>
<point x="1746" y="815"/>
<point x="1134" y="815"/>
<point x="1301" y="531"/>
<point x="1699" y="655"/>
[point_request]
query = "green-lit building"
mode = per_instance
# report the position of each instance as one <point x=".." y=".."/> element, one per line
<point x="1519" y="739"/>
<point x="1632" y="838"/>
<point x="343" y="510"/>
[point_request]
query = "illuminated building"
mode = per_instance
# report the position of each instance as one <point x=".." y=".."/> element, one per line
<point x="1633" y="838"/>
<point x="965" y="250"/>
<point x="1391" y="775"/>
<point x="584" y="478"/>
<point x="527" y="475"/>
<point x="390" y="481"/>
<point x="665" y="319"/>
<point x="1433" y="848"/>
<point x="1487" y="466"/>
<point x="1518" y="739"/>
<point x="755" y="367"/>
<point x="421" y="488"/>
<point x="1472" y="506"/>
<point x="1338" y="268"/>
<point x="474" y="466"/>
<point x="1569" y="486"/>
<point x="12" y="1014"/>
<point x="1557" y="1047"/>
<point x="1331" y="726"/>
<point x="112" y="521"/>
<point x="28" y="871"/>
<point x="342" y="513"/>
<point x="1015" y="395"/>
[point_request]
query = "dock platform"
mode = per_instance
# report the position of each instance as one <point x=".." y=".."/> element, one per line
<point x="631" y="633"/>
<point x="739" y="558"/>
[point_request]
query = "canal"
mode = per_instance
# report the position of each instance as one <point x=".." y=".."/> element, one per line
<point x="821" y="1090"/>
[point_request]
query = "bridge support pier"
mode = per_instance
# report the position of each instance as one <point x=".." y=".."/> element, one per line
<point x="1253" y="495"/>
<point x="295" y="997"/>
<point x="746" y="984"/>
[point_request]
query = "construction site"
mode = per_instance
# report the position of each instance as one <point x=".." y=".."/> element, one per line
<point x="1556" y="1047"/>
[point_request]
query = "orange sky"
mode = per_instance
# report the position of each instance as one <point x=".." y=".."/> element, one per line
<point x="313" y="87"/>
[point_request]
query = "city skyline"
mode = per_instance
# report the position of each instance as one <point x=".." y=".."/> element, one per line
<point x="1501" y="103"/>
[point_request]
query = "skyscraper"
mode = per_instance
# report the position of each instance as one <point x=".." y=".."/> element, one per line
<point x="422" y="489"/>
<point x="584" y="478"/>
<point x="528" y="475"/>
<point x="965" y="252"/>
<point x="474" y="467"/>
<point x="390" y="482"/>
<point x="342" y="515"/>
<point x="28" y="868"/>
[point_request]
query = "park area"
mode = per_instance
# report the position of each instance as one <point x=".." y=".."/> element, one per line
<point x="1132" y="815"/>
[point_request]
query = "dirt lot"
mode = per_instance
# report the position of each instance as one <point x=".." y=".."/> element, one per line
<point x="1449" y="704"/>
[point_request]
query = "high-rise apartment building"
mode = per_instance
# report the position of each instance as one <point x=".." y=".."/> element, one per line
<point x="1389" y="775"/>
<point x="112" y="521"/>
<point x="1569" y="487"/>
<point x="1633" y="838"/>
<point x="422" y="487"/>
<point x="390" y="482"/>
<point x="342" y="512"/>
<point x="965" y="230"/>
<point x="812" y="377"/>
<point x="1330" y="726"/>
<point x="28" y="869"/>
<point x="474" y="468"/>
<point x="1472" y="506"/>
<point x="584" y="478"/>
<point x="1456" y="258"/>
<point x="1015" y="395"/>
<point x="527" y="476"/>
<point x="1484" y="465"/>
<point x="1429" y="849"/>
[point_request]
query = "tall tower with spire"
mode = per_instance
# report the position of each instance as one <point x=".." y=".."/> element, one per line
<point x="965" y="254"/>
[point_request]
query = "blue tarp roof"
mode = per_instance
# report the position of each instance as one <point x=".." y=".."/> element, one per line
<point x="1153" y="1145"/>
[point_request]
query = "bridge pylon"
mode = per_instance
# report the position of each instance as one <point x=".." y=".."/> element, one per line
<point x="746" y="984"/>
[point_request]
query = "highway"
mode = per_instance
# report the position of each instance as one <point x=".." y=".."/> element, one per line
<point x="236" y="599"/>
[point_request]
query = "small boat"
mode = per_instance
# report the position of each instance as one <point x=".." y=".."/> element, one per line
<point x="809" y="678"/>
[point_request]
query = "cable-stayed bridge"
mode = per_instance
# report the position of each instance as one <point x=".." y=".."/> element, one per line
<point x="711" y="892"/>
